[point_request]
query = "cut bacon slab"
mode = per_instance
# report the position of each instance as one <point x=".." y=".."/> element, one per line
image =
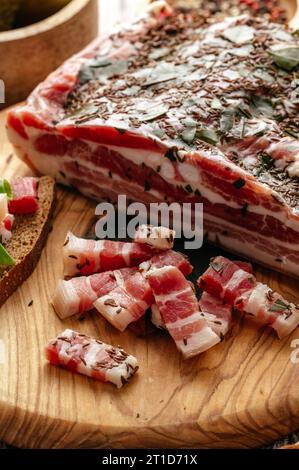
<point x="226" y="280"/>
<point x="178" y="306"/>
<point x="187" y="117"/>
<point x="156" y="318"/>
<point x="82" y="256"/>
<point x="127" y="303"/>
<point x="270" y="308"/>
<point x="161" y="238"/>
<point x="245" y="266"/>
<point x="217" y="313"/>
<point x="84" y="355"/>
<point x="167" y="258"/>
<point x="77" y="295"/>
<point x="24" y="199"/>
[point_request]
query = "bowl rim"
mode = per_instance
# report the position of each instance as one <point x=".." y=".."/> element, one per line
<point x="61" y="16"/>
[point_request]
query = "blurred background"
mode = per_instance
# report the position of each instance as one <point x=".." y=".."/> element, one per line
<point x="111" y="11"/>
<point x="18" y="13"/>
<point x="48" y="32"/>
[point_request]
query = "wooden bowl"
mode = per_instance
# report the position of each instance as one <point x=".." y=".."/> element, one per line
<point x="29" y="54"/>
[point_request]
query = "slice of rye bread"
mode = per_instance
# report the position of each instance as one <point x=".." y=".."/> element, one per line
<point x="29" y="237"/>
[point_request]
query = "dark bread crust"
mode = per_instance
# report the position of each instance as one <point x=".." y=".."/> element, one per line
<point x="29" y="237"/>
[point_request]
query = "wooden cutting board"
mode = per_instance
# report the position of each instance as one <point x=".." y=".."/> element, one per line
<point x="242" y="393"/>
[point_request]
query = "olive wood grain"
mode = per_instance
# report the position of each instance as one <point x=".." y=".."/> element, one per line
<point x="242" y="393"/>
